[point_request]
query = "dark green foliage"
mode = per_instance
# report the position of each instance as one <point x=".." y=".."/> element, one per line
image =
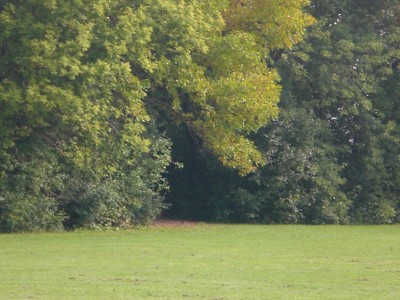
<point x="29" y="194"/>
<point x="131" y="196"/>
<point x="41" y="191"/>
<point x="301" y="182"/>
<point x="332" y="147"/>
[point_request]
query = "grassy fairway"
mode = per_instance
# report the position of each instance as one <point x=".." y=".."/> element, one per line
<point x="204" y="262"/>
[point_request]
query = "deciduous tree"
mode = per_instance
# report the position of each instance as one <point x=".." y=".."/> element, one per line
<point x="83" y="83"/>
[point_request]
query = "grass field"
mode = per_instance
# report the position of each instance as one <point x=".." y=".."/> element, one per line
<point x="204" y="262"/>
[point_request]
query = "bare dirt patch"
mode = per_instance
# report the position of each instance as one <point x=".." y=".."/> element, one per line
<point x="174" y="223"/>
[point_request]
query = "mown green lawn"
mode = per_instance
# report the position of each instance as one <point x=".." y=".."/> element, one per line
<point x="204" y="262"/>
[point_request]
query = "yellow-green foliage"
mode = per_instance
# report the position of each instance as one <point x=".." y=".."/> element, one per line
<point x="215" y="78"/>
<point x="60" y="75"/>
<point x="279" y="24"/>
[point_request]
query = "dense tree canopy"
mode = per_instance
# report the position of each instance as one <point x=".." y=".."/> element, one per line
<point x="332" y="155"/>
<point x="87" y="87"/>
<point x="101" y="101"/>
<point x="341" y="75"/>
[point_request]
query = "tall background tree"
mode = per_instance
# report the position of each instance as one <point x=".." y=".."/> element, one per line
<point x="340" y="76"/>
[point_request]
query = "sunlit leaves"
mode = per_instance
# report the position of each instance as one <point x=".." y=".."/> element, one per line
<point x="212" y="78"/>
<point x="69" y="63"/>
<point x="279" y="24"/>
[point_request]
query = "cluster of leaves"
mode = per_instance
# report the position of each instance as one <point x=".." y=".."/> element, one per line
<point x="277" y="24"/>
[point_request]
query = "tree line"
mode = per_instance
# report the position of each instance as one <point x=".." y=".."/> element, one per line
<point x="265" y="111"/>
